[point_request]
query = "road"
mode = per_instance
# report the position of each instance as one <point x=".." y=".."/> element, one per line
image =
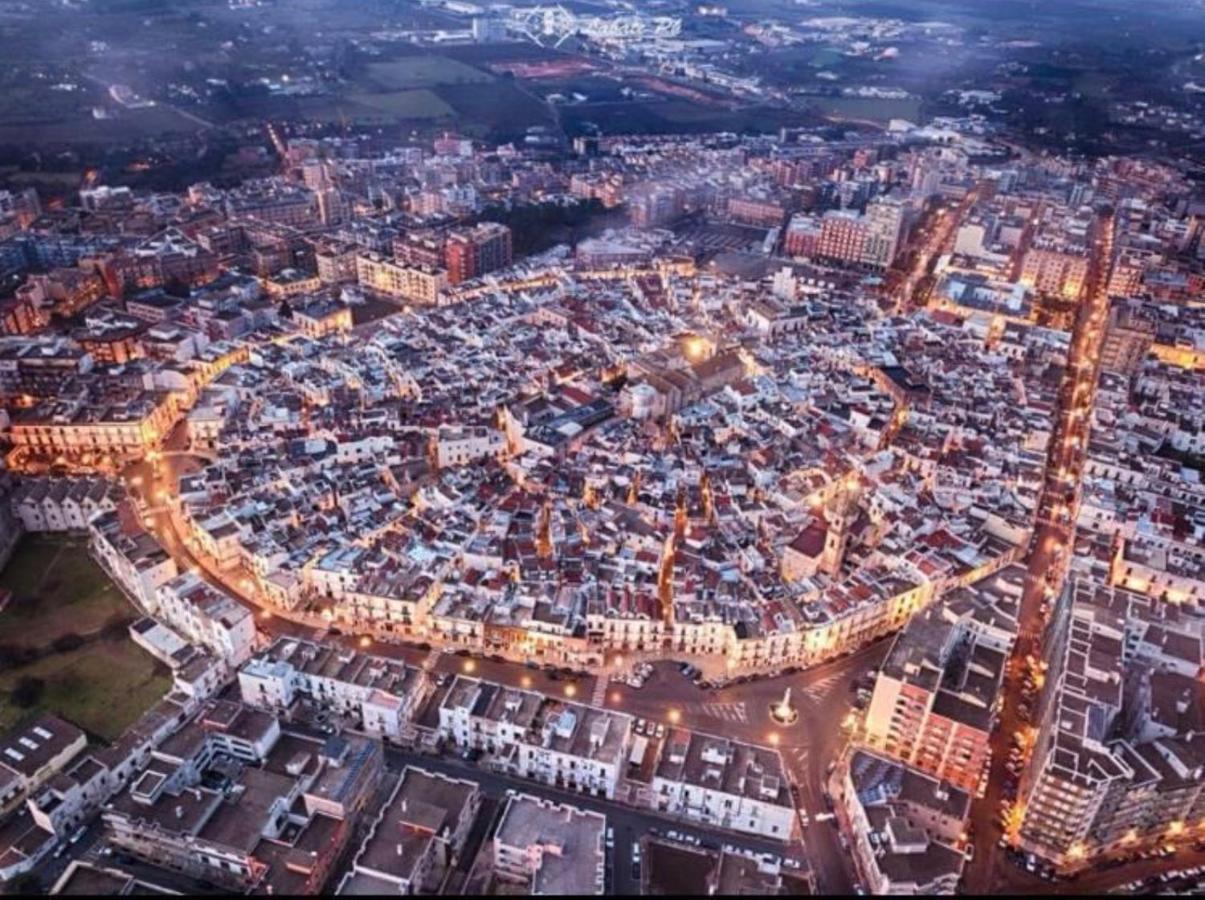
<point x="989" y="871"/>
<point x="823" y="698"/>
<point x="917" y="283"/>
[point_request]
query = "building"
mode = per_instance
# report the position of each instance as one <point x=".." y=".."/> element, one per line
<point x="549" y="848"/>
<point x="1055" y="269"/>
<point x="208" y="616"/>
<point x="63" y="504"/>
<point x="1118" y="762"/>
<point x="724" y="783"/>
<point x="131" y="555"/>
<point x="935" y="700"/>
<point x="417" y="838"/>
<point x="906" y="827"/>
<point x="98" y="428"/>
<point x="886" y="225"/>
<point x="422" y="285"/>
<point x="382" y="693"/>
<point x="233" y="801"/>
<point x="655" y="205"/>
<point x="843" y="237"/>
<point x="32" y="754"/>
<point x="472" y="252"/>
<point x="566" y="745"/>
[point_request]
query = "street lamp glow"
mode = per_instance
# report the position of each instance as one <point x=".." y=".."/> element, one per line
<point x="469" y="667"/>
<point x="674" y="716"/>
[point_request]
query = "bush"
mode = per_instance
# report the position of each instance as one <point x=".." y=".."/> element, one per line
<point x="27" y="691"/>
<point x="65" y="643"/>
<point x="117" y="628"/>
<point x="14" y="656"/>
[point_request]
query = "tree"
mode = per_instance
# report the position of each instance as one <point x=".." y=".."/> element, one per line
<point x="65" y="643"/>
<point x="27" y="691"/>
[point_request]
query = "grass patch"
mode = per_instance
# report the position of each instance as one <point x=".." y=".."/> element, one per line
<point x="419" y="104"/>
<point x="423" y="72"/>
<point x="57" y="589"/>
<point x="875" y="109"/>
<point x="99" y="679"/>
<point x="103" y="687"/>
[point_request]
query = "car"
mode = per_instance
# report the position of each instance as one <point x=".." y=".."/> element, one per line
<point x="636" y="852"/>
<point x="825" y="817"/>
<point x="610" y="838"/>
<point x="673" y="835"/>
<point x="843" y="840"/>
<point x="969" y="853"/>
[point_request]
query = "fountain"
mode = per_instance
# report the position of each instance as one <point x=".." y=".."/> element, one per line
<point x="783" y="712"/>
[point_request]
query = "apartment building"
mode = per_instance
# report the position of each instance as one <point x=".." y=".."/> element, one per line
<point x="382" y="693"/>
<point x="131" y="555"/>
<point x="935" y="700"/>
<point x="418" y="837"/>
<point x="418" y="284"/>
<point x="63" y="504"/>
<point x="906" y="826"/>
<point x="1119" y="761"/>
<point x="232" y="800"/>
<point x="208" y="616"/>
<point x="724" y="783"/>
<point x="548" y="848"/>
<point x="566" y="745"/>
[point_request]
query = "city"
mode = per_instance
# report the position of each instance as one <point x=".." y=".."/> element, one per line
<point x="602" y="448"/>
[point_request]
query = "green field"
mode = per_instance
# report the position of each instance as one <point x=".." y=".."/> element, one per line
<point x="872" y="109"/>
<point x="422" y="72"/>
<point x="420" y="104"/>
<point x="97" y="677"/>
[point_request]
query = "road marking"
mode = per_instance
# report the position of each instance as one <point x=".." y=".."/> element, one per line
<point x="728" y="712"/>
<point x="821" y="689"/>
<point x="601" y="683"/>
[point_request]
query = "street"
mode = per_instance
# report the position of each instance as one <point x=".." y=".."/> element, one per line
<point x="1051" y="546"/>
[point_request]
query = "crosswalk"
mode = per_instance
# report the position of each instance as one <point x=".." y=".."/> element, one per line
<point x="726" y="712"/>
<point x="822" y="688"/>
<point x="600" y="690"/>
